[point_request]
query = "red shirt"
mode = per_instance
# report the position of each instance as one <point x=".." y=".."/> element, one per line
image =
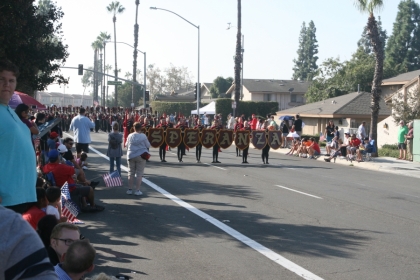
<point x="62" y="173"/>
<point x="253" y="123"/>
<point x="33" y="215"/>
<point x="355" y="142"/>
<point x="316" y="147"/>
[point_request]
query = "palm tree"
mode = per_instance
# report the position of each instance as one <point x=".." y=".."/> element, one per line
<point x="238" y="59"/>
<point x="96" y="45"/>
<point x="107" y="68"/>
<point x="115" y="8"/>
<point x="136" y="39"/>
<point x="127" y="75"/>
<point x="369" y="6"/>
<point x="103" y="37"/>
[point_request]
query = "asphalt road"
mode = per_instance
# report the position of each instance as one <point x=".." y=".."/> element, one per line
<point x="292" y="219"/>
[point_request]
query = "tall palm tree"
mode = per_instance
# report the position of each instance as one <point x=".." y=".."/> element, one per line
<point x="107" y="68"/>
<point x="115" y="8"/>
<point x="103" y="37"/>
<point x="238" y="59"/>
<point x="136" y="39"/>
<point x="369" y="6"/>
<point x="96" y="45"/>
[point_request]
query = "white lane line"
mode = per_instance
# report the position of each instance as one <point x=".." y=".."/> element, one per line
<point x="214" y="166"/>
<point x="299" y="192"/>
<point x="277" y="258"/>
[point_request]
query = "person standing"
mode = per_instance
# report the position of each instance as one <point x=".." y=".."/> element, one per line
<point x="181" y="147"/>
<point x="329" y="131"/>
<point x="266" y="149"/>
<point x="245" y="151"/>
<point x="162" y="148"/>
<point x="137" y="144"/>
<point x="297" y="126"/>
<point x="361" y="131"/>
<point x="17" y="153"/>
<point x="216" y="147"/>
<point x="81" y="127"/>
<point x="238" y="126"/>
<point x="402" y="146"/>
<point x="114" y="152"/>
<point x="409" y="137"/>
<point x="199" y="147"/>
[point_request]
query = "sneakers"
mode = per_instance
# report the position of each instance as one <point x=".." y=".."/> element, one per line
<point x="138" y="192"/>
<point x="129" y="191"/>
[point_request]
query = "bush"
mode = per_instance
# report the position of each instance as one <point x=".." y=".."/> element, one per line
<point x="323" y="144"/>
<point x="261" y="108"/>
<point x="387" y="152"/>
<point x="390" y="146"/>
<point x="183" y="108"/>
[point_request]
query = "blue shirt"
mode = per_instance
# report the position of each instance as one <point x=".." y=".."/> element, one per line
<point x="17" y="157"/>
<point x="62" y="275"/>
<point x="81" y="127"/>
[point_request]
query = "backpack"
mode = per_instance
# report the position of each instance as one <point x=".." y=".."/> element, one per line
<point x="113" y="143"/>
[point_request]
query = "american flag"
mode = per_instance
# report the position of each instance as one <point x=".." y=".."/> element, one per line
<point x="68" y="208"/>
<point x="113" y="179"/>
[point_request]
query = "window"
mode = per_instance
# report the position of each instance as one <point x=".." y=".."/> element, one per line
<point x="293" y="98"/>
<point x="267" y="97"/>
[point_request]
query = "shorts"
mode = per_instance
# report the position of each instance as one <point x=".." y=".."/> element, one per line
<point x="81" y="191"/>
<point x="136" y="166"/>
<point x="330" y="138"/>
<point x="285" y="134"/>
<point x="316" y="153"/>
<point x="402" y="146"/>
<point x="82" y="147"/>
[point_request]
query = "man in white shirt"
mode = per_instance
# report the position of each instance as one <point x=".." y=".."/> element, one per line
<point x="81" y="127"/>
<point x="361" y="131"/>
<point x="206" y="120"/>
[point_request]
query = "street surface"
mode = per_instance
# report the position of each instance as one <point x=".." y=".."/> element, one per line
<point x="292" y="219"/>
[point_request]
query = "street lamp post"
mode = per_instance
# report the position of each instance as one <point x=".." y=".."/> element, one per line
<point x="198" y="70"/>
<point x="242" y="60"/>
<point x="144" y="70"/>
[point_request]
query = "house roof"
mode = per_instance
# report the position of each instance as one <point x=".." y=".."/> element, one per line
<point x="207" y="85"/>
<point x="352" y="104"/>
<point x="402" y="78"/>
<point x="274" y="86"/>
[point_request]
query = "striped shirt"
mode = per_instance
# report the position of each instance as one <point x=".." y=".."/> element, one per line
<point x="62" y="275"/>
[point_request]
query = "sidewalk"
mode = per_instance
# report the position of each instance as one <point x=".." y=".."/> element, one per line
<point x="383" y="164"/>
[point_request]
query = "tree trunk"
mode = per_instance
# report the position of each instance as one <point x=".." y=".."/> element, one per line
<point x="377" y="77"/>
<point x="136" y="39"/>
<point x="94" y="74"/>
<point x="116" y="67"/>
<point x="238" y="60"/>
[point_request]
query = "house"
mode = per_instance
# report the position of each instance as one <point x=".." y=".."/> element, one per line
<point x="60" y="99"/>
<point x="186" y="95"/>
<point x="391" y="85"/>
<point x="205" y="90"/>
<point x="347" y="111"/>
<point x="288" y="93"/>
<point x="387" y="128"/>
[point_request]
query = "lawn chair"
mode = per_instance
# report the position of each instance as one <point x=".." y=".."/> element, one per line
<point x="369" y="151"/>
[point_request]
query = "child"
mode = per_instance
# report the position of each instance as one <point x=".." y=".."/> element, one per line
<point x="51" y="142"/>
<point x="37" y="211"/>
<point x="82" y="161"/>
<point x="54" y="202"/>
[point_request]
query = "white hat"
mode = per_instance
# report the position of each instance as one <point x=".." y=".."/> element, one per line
<point x="347" y="132"/>
<point x="62" y="148"/>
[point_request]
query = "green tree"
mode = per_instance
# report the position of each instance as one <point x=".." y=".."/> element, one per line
<point x="96" y="45"/>
<point x="406" y="108"/>
<point x="364" y="41"/>
<point x="87" y="79"/>
<point x="31" y="37"/>
<point x="370" y="6"/>
<point x="115" y="8"/>
<point x="305" y="64"/>
<point x="126" y="93"/>
<point x="238" y="58"/>
<point x="103" y="37"/>
<point x="220" y="86"/>
<point x="403" y="49"/>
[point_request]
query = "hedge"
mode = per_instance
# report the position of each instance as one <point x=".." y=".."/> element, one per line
<point x="183" y="108"/>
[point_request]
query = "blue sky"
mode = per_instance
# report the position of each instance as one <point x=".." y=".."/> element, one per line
<point x="271" y="29"/>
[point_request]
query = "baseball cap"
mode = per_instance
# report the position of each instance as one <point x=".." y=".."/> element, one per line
<point x="53" y="154"/>
<point x="53" y="135"/>
<point x="62" y="148"/>
<point x="347" y="132"/>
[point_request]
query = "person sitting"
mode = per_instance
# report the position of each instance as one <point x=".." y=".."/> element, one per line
<point x="63" y="173"/>
<point x="335" y="151"/>
<point x="295" y="147"/>
<point x="37" y="211"/>
<point x="345" y="144"/>
<point x="77" y="261"/>
<point x="313" y="149"/>
<point x="364" y="148"/>
<point x="303" y="149"/>
<point x="23" y="255"/>
<point x="51" y="142"/>
<point x="62" y="236"/>
<point x="82" y="161"/>
<point x="54" y="204"/>
<point x="45" y="227"/>
<point x="354" y="144"/>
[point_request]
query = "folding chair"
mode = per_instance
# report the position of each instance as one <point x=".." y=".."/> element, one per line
<point x="371" y="150"/>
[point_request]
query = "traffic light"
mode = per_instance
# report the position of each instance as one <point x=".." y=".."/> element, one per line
<point x="146" y="97"/>
<point x="80" y="69"/>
